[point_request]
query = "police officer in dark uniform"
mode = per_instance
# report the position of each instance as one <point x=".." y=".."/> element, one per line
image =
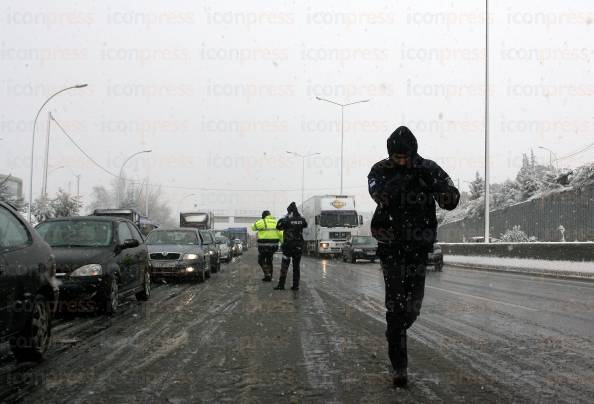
<point x="292" y="226"/>
<point x="405" y="187"/>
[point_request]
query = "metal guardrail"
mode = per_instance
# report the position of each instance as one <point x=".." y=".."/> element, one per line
<point x="574" y="251"/>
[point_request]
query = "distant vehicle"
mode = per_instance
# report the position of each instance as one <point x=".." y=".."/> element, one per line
<point x="209" y="244"/>
<point x="98" y="261"/>
<point x="178" y="253"/>
<point x="235" y="248"/>
<point x="28" y="287"/>
<point x="332" y="220"/>
<point x="435" y="258"/>
<point x="197" y="220"/>
<point x="359" y="247"/>
<point x="239" y="245"/>
<point x="224" y="245"/>
<point x="144" y="224"/>
<point x="240" y="233"/>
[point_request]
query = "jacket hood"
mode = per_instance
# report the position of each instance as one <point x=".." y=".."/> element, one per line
<point x="402" y="141"/>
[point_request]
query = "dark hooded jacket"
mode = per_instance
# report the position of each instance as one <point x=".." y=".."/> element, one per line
<point x="406" y="195"/>
<point x="292" y="226"/>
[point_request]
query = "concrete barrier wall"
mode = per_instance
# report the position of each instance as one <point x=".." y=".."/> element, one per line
<point x="544" y="251"/>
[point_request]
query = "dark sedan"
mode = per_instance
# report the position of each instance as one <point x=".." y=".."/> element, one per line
<point x="435" y="258"/>
<point x="178" y="253"/>
<point x="98" y="261"/>
<point x="28" y="287"/>
<point x="359" y="247"/>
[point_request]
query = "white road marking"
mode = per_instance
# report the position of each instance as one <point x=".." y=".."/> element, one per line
<point x="482" y="298"/>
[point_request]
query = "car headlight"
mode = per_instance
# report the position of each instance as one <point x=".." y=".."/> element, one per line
<point x="324" y="245"/>
<point x="88" y="270"/>
<point x="190" y="256"/>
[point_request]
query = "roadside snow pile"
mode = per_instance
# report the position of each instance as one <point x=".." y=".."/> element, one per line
<point x="536" y="266"/>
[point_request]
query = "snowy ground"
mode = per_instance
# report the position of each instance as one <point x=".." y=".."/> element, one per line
<point x="557" y="268"/>
<point x="482" y="337"/>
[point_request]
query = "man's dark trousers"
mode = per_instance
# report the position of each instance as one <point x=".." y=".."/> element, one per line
<point x="265" y="256"/>
<point x="404" y="268"/>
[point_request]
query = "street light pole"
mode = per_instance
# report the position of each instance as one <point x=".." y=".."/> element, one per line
<point x="551" y="154"/>
<point x="33" y="143"/>
<point x="342" y="106"/>
<point x="182" y="199"/>
<point x="303" y="157"/>
<point x="487" y="218"/>
<point x="118" y="199"/>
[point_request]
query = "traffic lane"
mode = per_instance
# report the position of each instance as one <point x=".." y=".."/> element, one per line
<point x="531" y="349"/>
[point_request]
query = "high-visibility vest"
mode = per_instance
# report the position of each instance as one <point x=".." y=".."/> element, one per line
<point x="266" y="229"/>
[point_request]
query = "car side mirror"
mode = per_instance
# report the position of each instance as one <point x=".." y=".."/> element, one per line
<point x="129" y="243"/>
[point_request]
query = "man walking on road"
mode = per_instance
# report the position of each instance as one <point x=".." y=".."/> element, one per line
<point x="292" y="226"/>
<point x="268" y="239"/>
<point x="405" y="187"/>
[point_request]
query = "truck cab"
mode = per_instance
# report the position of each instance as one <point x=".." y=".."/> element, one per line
<point x="334" y="219"/>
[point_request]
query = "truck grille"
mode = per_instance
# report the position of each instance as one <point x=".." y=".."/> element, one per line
<point x="339" y="235"/>
<point x="165" y="256"/>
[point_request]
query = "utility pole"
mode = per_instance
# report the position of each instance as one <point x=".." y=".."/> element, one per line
<point x="78" y="187"/>
<point x="46" y="155"/>
<point x="487" y="224"/>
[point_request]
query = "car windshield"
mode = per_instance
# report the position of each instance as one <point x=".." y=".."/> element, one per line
<point x="76" y="233"/>
<point x="364" y="241"/>
<point x="338" y="219"/>
<point x="172" y="237"/>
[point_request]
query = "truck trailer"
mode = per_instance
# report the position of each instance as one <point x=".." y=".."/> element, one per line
<point x="332" y="220"/>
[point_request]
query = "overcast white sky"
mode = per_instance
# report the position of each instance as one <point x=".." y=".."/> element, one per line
<point x="219" y="90"/>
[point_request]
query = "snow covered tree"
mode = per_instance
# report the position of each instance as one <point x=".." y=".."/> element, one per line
<point x="526" y="180"/>
<point x="515" y="235"/>
<point x="42" y="209"/>
<point x="477" y="187"/>
<point x="64" y="205"/>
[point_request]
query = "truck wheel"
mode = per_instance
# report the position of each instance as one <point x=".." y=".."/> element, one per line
<point x="34" y="340"/>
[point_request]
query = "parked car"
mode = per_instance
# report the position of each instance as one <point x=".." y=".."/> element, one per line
<point x="435" y="257"/>
<point x="209" y="244"/>
<point x="224" y="245"/>
<point x="98" y="261"/>
<point x="359" y="247"/>
<point x="239" y="245"/>
<point x="178" y="253"/>
<point x="28" y="287"/>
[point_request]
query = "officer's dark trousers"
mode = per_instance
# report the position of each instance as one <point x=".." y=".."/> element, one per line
<point x="404" y="276"/>
<point x="265" y="256"/>
<point x="291" y="253"/>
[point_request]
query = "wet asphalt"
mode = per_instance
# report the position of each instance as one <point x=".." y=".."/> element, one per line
<point x="481" y="337"/>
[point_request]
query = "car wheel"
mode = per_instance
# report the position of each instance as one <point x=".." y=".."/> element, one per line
<point x="112" y="297"/>
<point x="145" y="293"/>
<point x="34" y="340"/>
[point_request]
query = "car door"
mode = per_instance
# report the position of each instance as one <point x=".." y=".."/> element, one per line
<point x="16" y="261"/>
<point x="125" y="258"/>
<point x="140" y="255"/>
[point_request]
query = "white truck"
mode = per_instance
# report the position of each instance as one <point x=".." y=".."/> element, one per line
<point x="332" y="220"/>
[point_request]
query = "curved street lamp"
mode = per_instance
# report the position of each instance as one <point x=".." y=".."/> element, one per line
<point x="33" y="142"/>
<point x="342" y="106"/>
<point x="551" y="155"/>
<point x="182" y="199"/>
<point x="121" y="171"/>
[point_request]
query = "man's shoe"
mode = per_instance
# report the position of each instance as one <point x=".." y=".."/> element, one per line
<point x="279" y="287"/>
<point x="399" y="378"/>
<point x="294" y="287"/>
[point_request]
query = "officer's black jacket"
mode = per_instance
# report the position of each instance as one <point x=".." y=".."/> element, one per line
<point x="292" y="226"/>
<point x="405" y="197"/>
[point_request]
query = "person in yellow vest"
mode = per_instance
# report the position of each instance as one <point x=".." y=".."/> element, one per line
<point x="268" y="239"/>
